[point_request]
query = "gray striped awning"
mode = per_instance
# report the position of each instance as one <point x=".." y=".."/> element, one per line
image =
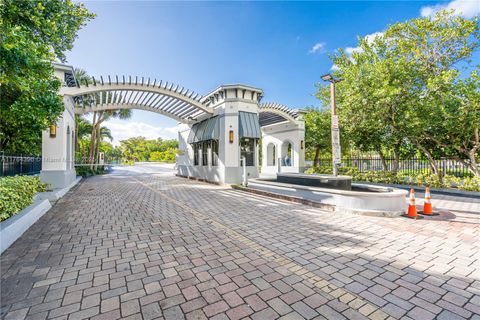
<point x="205" y="130"/>
<point x="249" y="125"/>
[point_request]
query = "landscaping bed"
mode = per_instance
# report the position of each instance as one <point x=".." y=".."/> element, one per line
<point x="17" y="192"/>
<point x="467" y="183"/>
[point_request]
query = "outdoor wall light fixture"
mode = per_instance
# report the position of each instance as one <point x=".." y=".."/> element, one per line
<point x="53" y="130"/>
<point x="301" y="144"/>
<point x="230" y="136"/>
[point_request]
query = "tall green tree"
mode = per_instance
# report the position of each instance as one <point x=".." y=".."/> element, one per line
<point x="318" y="137"/>
<point x="444" y="113"/>
<point x="404" y="88"/>
<point x="34" y="33"/>
<point x="141" y="149"/>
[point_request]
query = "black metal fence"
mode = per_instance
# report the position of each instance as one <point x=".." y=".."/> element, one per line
<point x="11" y="165"/>
<point x="409" y="166"/>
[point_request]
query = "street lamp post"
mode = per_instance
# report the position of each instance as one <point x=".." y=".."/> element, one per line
<point x="336" y="150"/>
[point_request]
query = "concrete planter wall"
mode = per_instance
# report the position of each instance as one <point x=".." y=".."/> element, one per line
<point x="12" y="228"/>
<point x="385" y="202"/>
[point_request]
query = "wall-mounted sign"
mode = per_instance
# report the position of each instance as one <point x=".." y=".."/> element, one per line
<point x="335" y="122"/>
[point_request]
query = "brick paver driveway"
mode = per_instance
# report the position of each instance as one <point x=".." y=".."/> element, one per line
<point x="144" y="244"/>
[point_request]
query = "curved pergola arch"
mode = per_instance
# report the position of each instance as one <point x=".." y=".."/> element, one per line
<point x="160" y="97"/>
<point x="273" y="113"/>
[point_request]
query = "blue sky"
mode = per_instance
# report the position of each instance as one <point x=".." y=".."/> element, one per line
<point x="281" y="47"/>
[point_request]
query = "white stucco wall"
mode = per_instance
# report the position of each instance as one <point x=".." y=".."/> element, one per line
<point x="279" y="135"/>
<point x="228" y="169"/>
<point x="54" y="149"/>
<point x="58" y="153"/>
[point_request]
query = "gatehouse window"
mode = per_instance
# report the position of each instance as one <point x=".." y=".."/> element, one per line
<point x="271" y="154"/>
<point x="247" y="150"/>
<point x="196" y="148"/>
<point x="287" y="154"/>
<point x="214" y="152"/>
<point x="205" y="153"/>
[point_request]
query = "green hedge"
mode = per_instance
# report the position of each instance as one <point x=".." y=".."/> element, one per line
<point x="86" y="171"/>
<point x="17" y="192"/>
<point x="468" y="183"/>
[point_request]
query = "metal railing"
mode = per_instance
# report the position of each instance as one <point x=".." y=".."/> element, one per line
<point x="409" y="166"/>
<point x="11" y="165"/>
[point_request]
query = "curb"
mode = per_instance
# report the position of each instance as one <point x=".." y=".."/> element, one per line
<point x="58" y="193"/>
<point x="199" y="179"/>
<point x="12" y="228"/>
<point x="315" y="204"/>
<point x="447" y="192"/>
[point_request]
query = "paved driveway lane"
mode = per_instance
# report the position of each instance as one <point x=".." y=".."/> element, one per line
<point x="143" y="244"/>
<point x="380" y="259"/>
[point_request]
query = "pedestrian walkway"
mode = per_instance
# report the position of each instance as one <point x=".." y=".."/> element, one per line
<point x="143" y="244"/>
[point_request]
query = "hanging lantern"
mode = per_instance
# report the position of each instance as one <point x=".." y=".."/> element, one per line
<point x="53" y="130"/>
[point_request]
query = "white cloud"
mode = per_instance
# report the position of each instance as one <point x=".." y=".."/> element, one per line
<point x="351" y="50"/>
<point x="465" y="8"/>
<point x="125" y="130"/>
<point x="369" y="38"/>
<point x="318" y="47"/>
<point x="334" y="67"/>
<point x="372" y="36"/>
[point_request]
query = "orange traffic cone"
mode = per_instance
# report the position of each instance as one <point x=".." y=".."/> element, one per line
<point x="427" y="204"/>
<point x="412" y="208"/>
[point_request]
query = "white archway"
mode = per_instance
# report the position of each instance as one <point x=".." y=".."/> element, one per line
<point x="287" y="155"/>
<point x="284" y="128"/>
<point x="228" y="123"/>
<point x="170" y="100"/>
<point x="271" y="154"/>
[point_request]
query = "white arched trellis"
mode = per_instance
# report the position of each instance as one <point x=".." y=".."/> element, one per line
<point x="273" y="113"/>
<point x="223" y="124"/>
<point x="161" y="97"/>
<point x="283" y="128"/>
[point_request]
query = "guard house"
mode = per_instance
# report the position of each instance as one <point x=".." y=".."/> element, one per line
<point x="215" y="131"/>
<point x="212" y="149"/>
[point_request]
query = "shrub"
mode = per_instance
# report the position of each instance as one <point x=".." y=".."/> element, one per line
<point x="468" y="183"/>
<point x="163" y="156"/>
<point x="86" y="171"/>
<point x="16" y="193"/>
<point x="128" y="162"/>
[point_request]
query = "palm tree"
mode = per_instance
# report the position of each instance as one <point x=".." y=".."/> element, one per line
<point x="105" y="133"/>
<point x="83" y="128"/>
<point x="122" y="114"/>
<point x="98" y="116"/>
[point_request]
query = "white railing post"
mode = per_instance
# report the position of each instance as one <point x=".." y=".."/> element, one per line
<point x="245" y="178"/>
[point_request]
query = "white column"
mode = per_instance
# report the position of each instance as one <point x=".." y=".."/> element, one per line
<point x="57" y="168"/>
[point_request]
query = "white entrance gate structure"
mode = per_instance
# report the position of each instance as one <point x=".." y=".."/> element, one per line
<point x="215" y="131"/>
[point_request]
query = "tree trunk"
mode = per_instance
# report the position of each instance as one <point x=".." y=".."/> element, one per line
<point x="473" y="165"/>
<point x="316" y="160"/>
<point x="92" y="141"/>
<point x="382" y="157"/>
<point x="431" y="160"/>
<point x="396" y="159"/>
<point x="97" y="145"/>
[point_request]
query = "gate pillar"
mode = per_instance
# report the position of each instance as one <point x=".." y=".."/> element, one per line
<point x="58" y="142"/>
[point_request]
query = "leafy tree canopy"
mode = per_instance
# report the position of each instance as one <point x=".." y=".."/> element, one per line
<point x="34" y="34"/>
<point x="141" y="149"/>
<point x="405" y="87"/>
